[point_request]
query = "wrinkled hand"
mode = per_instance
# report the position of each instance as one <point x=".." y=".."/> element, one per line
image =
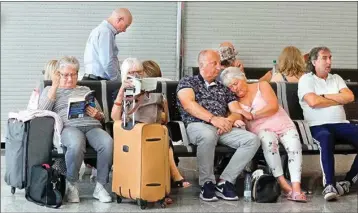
<point x="223" y="124"/>
<point x="239" y="124"/>
<point x="56" y="79"/>
<point x="128" y="83"/>
<point x="247" y="115"/>
<point x="93" y="112"/>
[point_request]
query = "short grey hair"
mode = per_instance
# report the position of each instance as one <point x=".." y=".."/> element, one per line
<point x="68" y="61"/>
<point x="231" y="73"/>
<point x="128" y="65"/>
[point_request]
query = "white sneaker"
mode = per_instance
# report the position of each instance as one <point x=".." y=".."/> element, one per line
<point x="101" y="194"/>
<point x="82" y="171"/>
<point x="330" y="193"/>
<point x="343" y="187"/>
<point x="72" y="193"/>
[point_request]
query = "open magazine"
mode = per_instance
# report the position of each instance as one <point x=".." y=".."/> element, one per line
<point x="77" y="105"/>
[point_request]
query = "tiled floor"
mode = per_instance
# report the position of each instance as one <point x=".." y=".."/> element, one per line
<point x="186" y="200"/>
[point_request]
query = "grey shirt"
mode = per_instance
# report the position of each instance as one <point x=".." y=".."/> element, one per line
<point x="60" y="106"/>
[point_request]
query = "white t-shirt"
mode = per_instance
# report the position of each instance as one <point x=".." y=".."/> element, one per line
<point x="310" y="83"/>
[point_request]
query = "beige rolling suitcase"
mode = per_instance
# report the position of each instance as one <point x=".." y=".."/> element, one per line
<point x="141" y="163"/>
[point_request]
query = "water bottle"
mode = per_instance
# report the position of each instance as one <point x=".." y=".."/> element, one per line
<point x="273" y="67"/>
<point x="247" y="190"/>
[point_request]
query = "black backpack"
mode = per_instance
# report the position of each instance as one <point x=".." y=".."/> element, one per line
<point x="265" y="188"/>
<point x="47" y="187"/>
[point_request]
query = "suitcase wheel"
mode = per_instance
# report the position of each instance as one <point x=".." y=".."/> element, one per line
<point x="13" y="189"/>
<point x="119" y="199"/>
<point x="142" y="203"/>
<point x="163" y="204"/>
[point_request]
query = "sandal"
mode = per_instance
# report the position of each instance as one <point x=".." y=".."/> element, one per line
<point x="298" y="197"/>
<point x="288" y="194"/>
<point x="181" y="184"/>
<point x="168" y="200"/>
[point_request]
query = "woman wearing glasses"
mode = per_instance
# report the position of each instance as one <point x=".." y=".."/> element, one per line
<point x="133" y="67"/>
<point x="77" y="130"/>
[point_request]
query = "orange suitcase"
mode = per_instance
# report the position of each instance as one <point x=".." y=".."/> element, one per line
<point x="141" y="163"/>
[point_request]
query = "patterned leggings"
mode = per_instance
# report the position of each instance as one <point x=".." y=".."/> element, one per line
<point x="291" y="141"/>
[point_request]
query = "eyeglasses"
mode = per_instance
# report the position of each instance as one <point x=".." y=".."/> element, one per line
<point x="67" y="75"/>
<point x="136" y="72"/>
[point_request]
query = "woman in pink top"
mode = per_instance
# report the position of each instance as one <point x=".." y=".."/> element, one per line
<point x="264" y="117"/>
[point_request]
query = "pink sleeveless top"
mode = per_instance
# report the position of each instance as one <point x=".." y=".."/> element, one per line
<point x="279" y="122"/>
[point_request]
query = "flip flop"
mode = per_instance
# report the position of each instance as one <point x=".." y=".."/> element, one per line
<point x="180" y="184"/>
<point x="298" y="197"/>
<point x="168" y="200"/>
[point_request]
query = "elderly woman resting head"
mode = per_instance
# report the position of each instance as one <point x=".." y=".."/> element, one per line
<point x="264" y="117"/>
<point x="77" y="130"/>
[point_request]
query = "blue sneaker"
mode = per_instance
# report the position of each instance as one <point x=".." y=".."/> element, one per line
<point x="208" y="192"/>
<point x="226" y="191"/>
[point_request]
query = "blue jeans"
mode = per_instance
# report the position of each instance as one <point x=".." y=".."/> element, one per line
<point x="326" y="135"/>
<point x="74" y="139"/>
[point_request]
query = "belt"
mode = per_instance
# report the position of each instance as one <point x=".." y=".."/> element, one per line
<point x="93" y="77"/>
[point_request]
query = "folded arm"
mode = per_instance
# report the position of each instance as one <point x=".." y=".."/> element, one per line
<point x="344" y="96"/>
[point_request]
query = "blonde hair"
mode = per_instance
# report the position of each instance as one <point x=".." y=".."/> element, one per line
<point x="50" y="69"/>
<point x="291" y="62"/>
<point x="152" y="69"/>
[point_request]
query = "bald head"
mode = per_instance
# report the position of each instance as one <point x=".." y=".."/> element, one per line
<point x="209" y="64"/>
<point x="227" y="44"/>
<point x="122" y="13"/>
<point x="121" y="19"/>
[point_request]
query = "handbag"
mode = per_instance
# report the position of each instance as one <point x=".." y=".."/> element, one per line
<point x="47" y="187"/>
<point x="265" y="188"/>
<point x="148" y="108"/>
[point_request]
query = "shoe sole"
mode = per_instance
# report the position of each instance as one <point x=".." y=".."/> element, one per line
<point x="220" y="195"/>
<point x="331" y="196"/>
<point x="213" y="199"/>
<point x="103" y="201"/>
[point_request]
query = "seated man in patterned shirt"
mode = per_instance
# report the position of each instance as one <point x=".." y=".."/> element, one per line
<point x="204" y="105"/>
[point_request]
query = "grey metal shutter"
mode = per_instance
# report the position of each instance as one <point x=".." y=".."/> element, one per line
<point x="260" y="30"/>
<point x="33" y="33"/>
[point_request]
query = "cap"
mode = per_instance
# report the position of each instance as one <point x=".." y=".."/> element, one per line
<point x="227" y="53"/>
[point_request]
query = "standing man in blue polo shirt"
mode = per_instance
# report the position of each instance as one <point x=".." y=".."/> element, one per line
<point x="100" y="57"/>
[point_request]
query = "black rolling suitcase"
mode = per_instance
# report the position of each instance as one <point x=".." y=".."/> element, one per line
<point x="27" y="144"/>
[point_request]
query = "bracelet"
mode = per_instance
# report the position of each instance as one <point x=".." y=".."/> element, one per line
<point x="253" y="114"/>
<point x="118" y="103"/>
<point x="209" y="121"/>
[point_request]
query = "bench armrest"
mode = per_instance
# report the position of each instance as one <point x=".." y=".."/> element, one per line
<point x="354" y="121"/>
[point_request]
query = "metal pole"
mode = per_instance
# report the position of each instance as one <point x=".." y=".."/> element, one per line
<point x="180" y="39"/>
